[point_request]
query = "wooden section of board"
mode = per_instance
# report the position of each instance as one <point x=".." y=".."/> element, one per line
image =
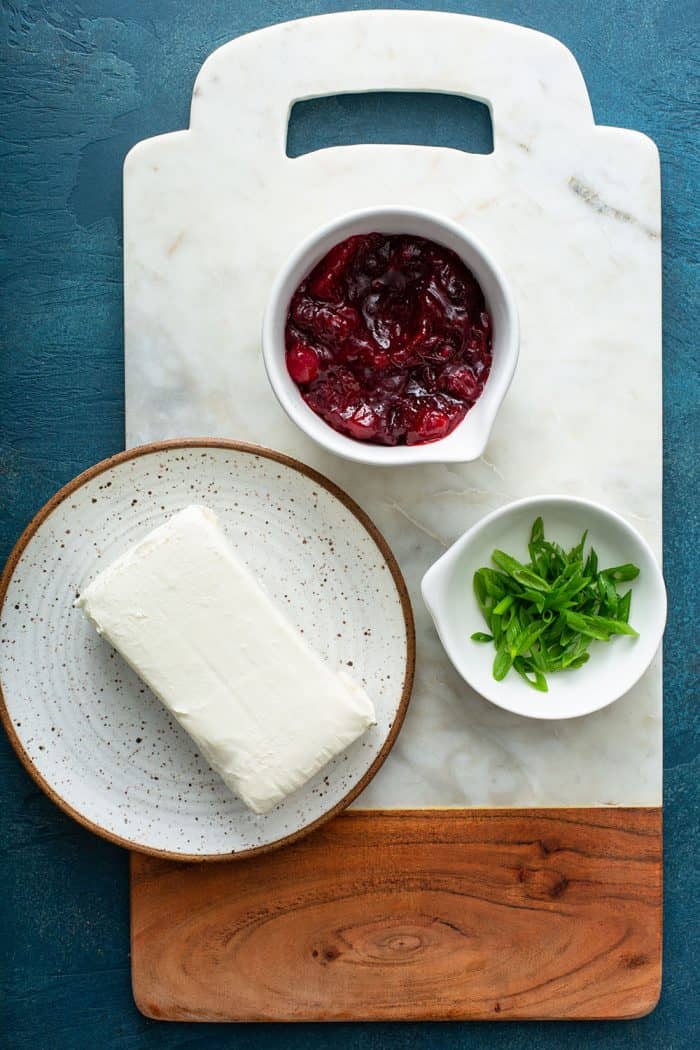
<point x="411" y="914"/>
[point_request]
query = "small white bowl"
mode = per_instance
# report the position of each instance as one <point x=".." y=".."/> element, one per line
<point x="468" y="440"/>
<point x="614" y="667"/>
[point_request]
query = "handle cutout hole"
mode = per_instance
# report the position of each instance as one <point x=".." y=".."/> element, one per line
<point x="416" y="118"/>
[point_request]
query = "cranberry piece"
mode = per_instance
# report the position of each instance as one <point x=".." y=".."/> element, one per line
<point x="451" y="282"/>
<point x="429" y="418"/>
<point x="327" y="324"/>
<point x="430" y="425"/>
<point x="389" y="339"/>
<point x="482" y="366"/>
<point x="359" y="421"/>
<point x="338" y="399"/>
<point x="325" y="281"/>
<point x="460" y="382"/>
<point x="302" y="363"/>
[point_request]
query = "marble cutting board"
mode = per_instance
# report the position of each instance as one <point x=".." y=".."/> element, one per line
<point x="572" y="212"/>
<point x="464" y="885"/>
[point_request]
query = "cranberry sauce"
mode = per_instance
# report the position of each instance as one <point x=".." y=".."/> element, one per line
<point x="388" y="339"/>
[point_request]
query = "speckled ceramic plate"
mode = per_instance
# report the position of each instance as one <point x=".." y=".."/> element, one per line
<point x="95" y="738"/>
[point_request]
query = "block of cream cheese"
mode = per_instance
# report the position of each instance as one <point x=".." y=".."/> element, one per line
<point x="261" y="705"/>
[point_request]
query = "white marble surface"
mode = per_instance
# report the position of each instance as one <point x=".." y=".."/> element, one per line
<point x="570" y="210"/>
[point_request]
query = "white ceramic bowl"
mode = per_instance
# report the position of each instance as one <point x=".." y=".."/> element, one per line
<point x="468" y="440"/>
<point x="614" y="667"/>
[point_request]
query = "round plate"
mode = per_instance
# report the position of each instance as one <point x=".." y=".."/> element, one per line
<point x="96" y="739"/>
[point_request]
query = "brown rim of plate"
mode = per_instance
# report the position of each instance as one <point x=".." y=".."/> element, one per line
<point x="347" y="501"/>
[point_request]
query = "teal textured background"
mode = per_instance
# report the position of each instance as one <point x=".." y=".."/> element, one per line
<point x="79" y="84"/>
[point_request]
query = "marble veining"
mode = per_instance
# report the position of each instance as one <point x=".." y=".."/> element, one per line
<point x="569" y="209"/>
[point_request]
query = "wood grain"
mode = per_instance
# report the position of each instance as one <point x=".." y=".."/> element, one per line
<point x="411" y="914"/>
